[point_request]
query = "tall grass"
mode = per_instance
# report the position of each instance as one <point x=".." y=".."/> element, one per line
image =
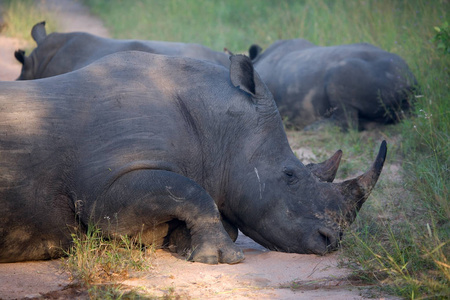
<point x="237" y="24"/>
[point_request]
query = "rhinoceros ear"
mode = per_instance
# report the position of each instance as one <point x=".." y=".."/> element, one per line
<point x="20" y="56"/>
<point x="242" y="73"/>
<point x="38" y="32"/>
<point x="254" y="51"/>
<point x="244" y="77"/>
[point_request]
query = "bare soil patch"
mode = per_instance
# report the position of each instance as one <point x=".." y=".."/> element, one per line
<point x="9" y="66"/>
<point x="263" y="274"/>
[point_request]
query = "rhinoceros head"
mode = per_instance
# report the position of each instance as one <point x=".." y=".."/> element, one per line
<point x="30" y="63"/>
<point x="281" y="203"/>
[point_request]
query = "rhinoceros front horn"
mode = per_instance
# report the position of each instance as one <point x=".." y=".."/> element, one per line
<point x="326" y="171"/>
<point x="357" y="190"/>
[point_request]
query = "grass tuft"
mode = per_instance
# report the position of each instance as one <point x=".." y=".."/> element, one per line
<point x="116" y="292"/>
<point x="97" y="263"/>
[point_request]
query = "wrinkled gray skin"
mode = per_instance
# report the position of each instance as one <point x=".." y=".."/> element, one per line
<point x="59" y="53"/>
<point x="167" y="147"/>
<point x="355" y="84"/>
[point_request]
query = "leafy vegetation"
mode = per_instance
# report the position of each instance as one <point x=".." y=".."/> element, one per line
<point x="442" y="37"/>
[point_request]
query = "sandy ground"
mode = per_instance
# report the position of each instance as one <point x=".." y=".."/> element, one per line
<point x="263" y="275"/>
<point x="9" y="66"/>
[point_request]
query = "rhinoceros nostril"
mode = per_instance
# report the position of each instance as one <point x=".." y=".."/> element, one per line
<point x="330" y="238"/>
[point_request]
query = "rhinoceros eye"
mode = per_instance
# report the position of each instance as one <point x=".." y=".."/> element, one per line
<point x="290" y="175"/>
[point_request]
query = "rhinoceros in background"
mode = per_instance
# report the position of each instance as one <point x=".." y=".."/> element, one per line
<point x="166" y="147"/>
<point x="59" y="53"/>
<point x="355" y="84"/>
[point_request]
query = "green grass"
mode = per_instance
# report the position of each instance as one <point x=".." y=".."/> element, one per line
<point x="401" y="239"/>
<point x="97" y="263"/>
<point x="237" y="24"/>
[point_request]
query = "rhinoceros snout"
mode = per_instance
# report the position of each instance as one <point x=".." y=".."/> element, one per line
<point x="327" y="241"/>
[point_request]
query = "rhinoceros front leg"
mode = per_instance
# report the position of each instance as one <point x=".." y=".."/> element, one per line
<point x="145" y="200"/>
<point x="346" y="117"/>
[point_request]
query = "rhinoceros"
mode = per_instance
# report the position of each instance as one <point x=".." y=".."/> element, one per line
<point x="356" y="84"/>
<point x="177" y="150"/>
<point x="59" y="53"/>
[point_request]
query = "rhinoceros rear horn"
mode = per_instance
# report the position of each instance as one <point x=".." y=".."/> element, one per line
<point x="228" y="51"/>
<point x="326" y="171"/>
<point x="357" y="190"/>
<point x="38" y="32"/>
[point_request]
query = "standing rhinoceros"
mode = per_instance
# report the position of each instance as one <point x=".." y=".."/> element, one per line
<point x="355" y="83"/>
<point x="59" y="53"/>
<point x="162" y="146"/>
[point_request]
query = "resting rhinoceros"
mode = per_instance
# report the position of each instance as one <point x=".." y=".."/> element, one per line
<point x="356" y="84"/>
<point x="59" y="53"/>
<point x="166" y="147"/>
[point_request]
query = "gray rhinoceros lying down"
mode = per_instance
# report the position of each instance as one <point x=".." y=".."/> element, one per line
<point x="59" y="53"/>
<point x="166" y="147"/>
<point x="355" y="83"/>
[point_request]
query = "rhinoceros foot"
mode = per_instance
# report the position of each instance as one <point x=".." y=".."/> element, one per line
<point x="213" y="245"/>
<point x="210" y="253"/>
<point x="222" y="252"/>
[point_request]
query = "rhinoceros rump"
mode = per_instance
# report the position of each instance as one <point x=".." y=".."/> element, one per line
<point x="161" y="146"/>
<point x="356" y="84"/>
<point x="59" y="53"/>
